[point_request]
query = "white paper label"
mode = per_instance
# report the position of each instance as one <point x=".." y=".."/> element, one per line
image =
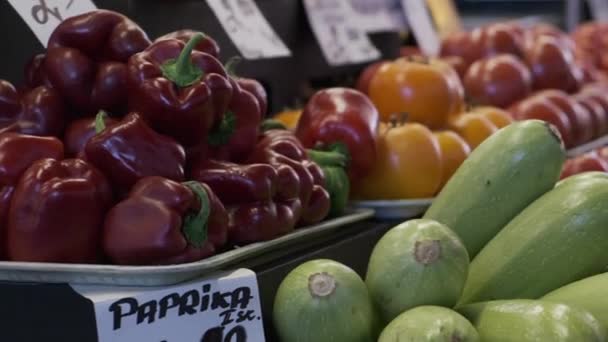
<point x="420" y="22"/>
<point x="248" y="29"/>
<point x="225" y="307"/>
<point x="42" y="16"/>
<point x="377" y="15"/>
<point x="341" y="39"/>
<point x="599" y="9"/>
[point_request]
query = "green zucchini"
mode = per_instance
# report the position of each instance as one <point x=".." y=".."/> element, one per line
<point x="560" y="238"/>
<point x="526" y="320"/>
<point x="590" y="294"/>
<point x="499" y="179"/>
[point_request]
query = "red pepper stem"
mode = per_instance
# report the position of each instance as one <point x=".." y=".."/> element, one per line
<point x="100" y="121"/>
<point x="269" y="124"/>
<point x="181" y="71"/>
<point x="195" y="224"/>
<point x="232" y="64"/>
<point x="336" y="155"/>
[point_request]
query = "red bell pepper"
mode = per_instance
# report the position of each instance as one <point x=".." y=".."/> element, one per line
<point x="86" y="60"/>
<point x="39" y="111"/>
<point x="165" y="222"/>
<point x="17" y="153"/>
<point x="261" y="199"/>
<point x="57" y="212"/>
<point x="79" y="132"/>
<point x="181" y="92"/>
<point x="131" y="150"/>
<point x="234" y="139"/>
<point x="346" y="117"/>
<point x="207" y="44"/>
<point x="256" y="89"/>
<point x="278" y="147"/>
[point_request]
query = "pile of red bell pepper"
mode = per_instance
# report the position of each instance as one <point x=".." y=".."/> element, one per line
<point x="124" y="150"/>
<point x="105" y="150"/>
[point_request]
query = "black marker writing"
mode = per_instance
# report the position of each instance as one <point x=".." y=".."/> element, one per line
<point x="41" y="12"/>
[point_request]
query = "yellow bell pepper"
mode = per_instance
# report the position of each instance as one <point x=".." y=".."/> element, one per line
<point x="408" y="165"/>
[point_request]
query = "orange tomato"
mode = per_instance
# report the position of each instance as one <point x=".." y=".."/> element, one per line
<point x="408" y="165"/>
<point x="474" y="128"/>
<point x="454" y="150"/>
<point x="499" y="117"/>
<point x="428" y="91"/>
<point x="289" y="117"/>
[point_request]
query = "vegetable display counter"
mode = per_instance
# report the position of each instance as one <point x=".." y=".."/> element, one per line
<point x="56" y="312"/>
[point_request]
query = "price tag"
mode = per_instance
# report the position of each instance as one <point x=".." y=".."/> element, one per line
<point x="376" y="15"/>
<point x="445" y="15"/>
<point x="225" y="307"/>
<point x="599" y="9"/>
<point x="341" y="39"/>
<point x="248" y="29"/>
<point x="421" y="24"/>
<point x="42" y="16"/>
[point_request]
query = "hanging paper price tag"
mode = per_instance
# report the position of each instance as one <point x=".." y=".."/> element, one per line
<point x="341" y="40"/>
<point x="225" y="307"/>
<point x="248" y="29"/>
<point x="599" y="9"/>
<point x="376" y="15"/>
<point x="421" y="24"/>
<point x="42" y="16"/>
<point x="445" y="15"/>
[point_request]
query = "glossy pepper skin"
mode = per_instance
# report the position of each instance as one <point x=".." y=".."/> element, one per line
<point x="181" y="92"/>
<point x="165" y="222"/>
<point x="130" y="150"/>
<point x="341" y="116"/>
<point x="333" y="163"/>
<point x="86" y="60"/>
<point x="79" y="132"/>
<point x="17" y="153"/>
<point x="39" y="111"/>
<point x="236" y="136"/>
<point x="281" y="147"/>
<point x="207" y="44"/>
<point x="261" y="199"/>
<point x="57" y="212"/>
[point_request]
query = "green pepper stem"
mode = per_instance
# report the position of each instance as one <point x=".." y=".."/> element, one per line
<point x="100" y="121"/>
<point x="181" y="71"/>
<point x="269" y="124"/>
<point x="328" y="158"/>
<point x="224" y="131"/>
<point x="183" y="63"/>
<point x="195" y="224"/>
<point x="232" y="64"/>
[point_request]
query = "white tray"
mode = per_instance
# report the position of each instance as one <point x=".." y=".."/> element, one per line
<point x="396" y="209"/>
<point x="590" y="146"/>
<point x="169" y="274"/>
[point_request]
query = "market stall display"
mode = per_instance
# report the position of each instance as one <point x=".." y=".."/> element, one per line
<point x="549" y="235"/>
<point x="133" y="165"/>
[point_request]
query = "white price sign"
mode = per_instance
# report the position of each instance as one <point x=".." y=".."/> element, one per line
<point x="248" y="29"/>
<point x="341" y="39"/>
<point x="225" y="307"/>
<point x="599" y="9"/>
<point x="421" y="23"/>
<point x="42" y="16"/>
<point x="377" y="15"/>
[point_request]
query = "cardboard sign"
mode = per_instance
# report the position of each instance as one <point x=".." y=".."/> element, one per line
<point x="225" y="307"/>
<point x="421" y="23"/>
<point x="599" y="9"/>
<point x="248" y="29"/>
<point x="42" y="16"/>
<point x="340" y="38"/>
